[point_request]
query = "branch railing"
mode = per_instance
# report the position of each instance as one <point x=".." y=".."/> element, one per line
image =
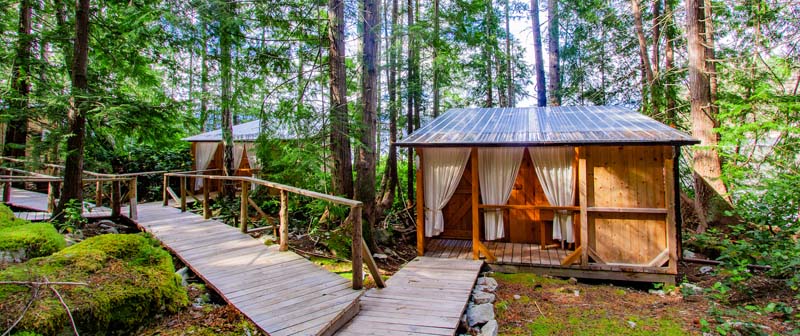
<point x="360" y="251"/>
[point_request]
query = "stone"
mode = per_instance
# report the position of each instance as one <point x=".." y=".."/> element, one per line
<point x="481" y="313"/>
<point x="17" y="256"/>
<point x="706" y="269"/>
<point x="463" y="322"/>
<point x="483" y="297"/>
<point x="482" y="288"/>
<point x="632" y="324"/>
<point x="184" y="274"/>
<point x="389" y="251"/>
<point x="691" y="289"/>
<point x="517" y="297"/>
<point x="572" y="281"/>
<point x="489" y="329"/>
<point x="689" y="254"/>
<point x="490" y="283"/>
<point x="656" y="292"/>
<point x="380" y="256"/>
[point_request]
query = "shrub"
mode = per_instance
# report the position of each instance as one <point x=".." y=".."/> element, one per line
<point x="130" y="279"/>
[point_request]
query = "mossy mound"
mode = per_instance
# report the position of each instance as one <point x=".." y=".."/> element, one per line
<point x="130" y="279"/>
<point x="20" y="239"/>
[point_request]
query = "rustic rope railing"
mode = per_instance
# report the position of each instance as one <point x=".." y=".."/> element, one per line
<point x="360" y="251"/>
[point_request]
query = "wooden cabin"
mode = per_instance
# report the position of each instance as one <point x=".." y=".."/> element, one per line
<point x="589" y="192"/>
<point x="207" y="150"/>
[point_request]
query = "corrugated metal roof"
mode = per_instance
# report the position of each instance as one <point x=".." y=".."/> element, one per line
<point x="559" y="125"/>
<point x="248" y="131"/>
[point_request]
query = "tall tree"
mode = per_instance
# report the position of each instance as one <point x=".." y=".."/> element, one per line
<point x="390" y="176"/>
<point x="509" y="69"/>
<point x="17" y="130"/>
<point x="227" y="32"/>
<point x="410" y="87"/>
<point x="670" y="78"/>
<point x="488" y="51"/>
<point x="707" y="165"/>
<point x="436" y="61"/>
<point x="76" y="115"/>
<point x="554" y="61"/>
<point x="365" y="164"/>
<point x="541" y="90"/>
<point x="342" y="174"/>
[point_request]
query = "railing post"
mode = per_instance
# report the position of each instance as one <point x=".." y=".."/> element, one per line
<point x="51" y="197"/>
<point x="133" y="212"/>
<point x="183" y="193"/>
<point x="243" y="211"/>
<point x="115" y="196"/>
<point x="7" y="189"/>
<point x="206" y="199"/>
<point x="98" y="194"/>
<point x="164" y="193"/>
<point x="284" y="217"/>
<point x="356" y="248"/>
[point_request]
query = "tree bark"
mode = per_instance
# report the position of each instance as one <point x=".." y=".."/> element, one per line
<point x="554" y="75"/>
<point x="227" y="31"/>
<point x="417" y="76"/>
<point x="17" y="131"/>
<point x="390" y="175"/>
<point x="365" y="165"/>
<point x="670" y="92"/>
<point x="707" y="165"/>
<point x="204" y="83"/>
<point x="436" y="42"/>
<point x="509" y="69"/>
<point x="488" y="52"/>
<point x="76" y="116"/>
<point x="645" y="58"/>
<point x="410" y="97"/>
<point x="541" y="90"/>
<point x="342" y="173"/>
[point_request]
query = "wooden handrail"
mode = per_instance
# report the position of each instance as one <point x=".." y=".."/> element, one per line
<point x="359" y="251"/>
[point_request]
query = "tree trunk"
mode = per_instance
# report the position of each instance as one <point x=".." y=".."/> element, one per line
<point x="76" y="116"/>
<point x="554" y="75"/>
<point x="711" y="60"/>
<point x="410" y="97"/>
<point x="436" y="42"/>
<point x="227" y="32"/>
<point x="365" y="166"/>
<point x="509" y="70"/>
<point x="204" y="84"/>
<point x="417" y="76"/>
<point x="17" y="130"/>
<point x="670" y="82"/>
<point x="707" y="165"/>
<point x="645" y="58"/>
<point x="488" y="52"/>
<point x="342" y="173"/>
<point x="390" y="175"/>
<point x="541" y="90"/>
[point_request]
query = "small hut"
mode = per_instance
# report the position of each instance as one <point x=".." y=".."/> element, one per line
<point x="207" y="150"/>
<point x="587" y="192"/>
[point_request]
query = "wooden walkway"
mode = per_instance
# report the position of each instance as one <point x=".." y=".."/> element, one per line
<point x="506" y="253"/>
<point x="426" y="297"/>
<point x="37" y="203"/>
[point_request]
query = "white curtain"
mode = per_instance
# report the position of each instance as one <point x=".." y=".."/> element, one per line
<point x="252" y="158"/>
<point x="554" y="168"/>
<point x="442" y="170"/>
<point x="203" y="154"/>
<point x="238" y="153"/>
<point x="498" y="168"/>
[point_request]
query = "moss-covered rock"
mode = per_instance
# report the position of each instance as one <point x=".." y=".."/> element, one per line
<point x="130" y="279"/>
<point x="20" y="239"/>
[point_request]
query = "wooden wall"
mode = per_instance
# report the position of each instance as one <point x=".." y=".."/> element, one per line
<point x="626" y="195"/>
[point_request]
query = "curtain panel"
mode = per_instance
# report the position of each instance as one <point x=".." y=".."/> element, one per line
<point x="442" y="170"/>
<point x="554" y="168"/>
<point x="498" y="169"/>
<point x="204" y="153"/>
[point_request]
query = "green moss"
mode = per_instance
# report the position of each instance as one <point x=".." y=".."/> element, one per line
<point x="527" y="279"/>
<point x="36" y="239"/>
<point x="578" y="321"/>
<point x="130" y="279"/>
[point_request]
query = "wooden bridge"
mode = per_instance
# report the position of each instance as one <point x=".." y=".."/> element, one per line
<point x="281" y="292"/>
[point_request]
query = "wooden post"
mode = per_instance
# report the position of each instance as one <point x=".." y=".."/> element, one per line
<point x="133" y="202"/>
<point x="583" y="201"/>
<point x="164" y="193"/>
<point x="115" y="195"/>
<point x="243" y="211"/>
<point x="476" y="231"/>
<point x="373" y="267"/>
<point x="98" y="193"/>
<point x="669" y="184"/>
<point x="51" y="197"/>
<point x="357" y="256"/>
<point x="284" y="218"/>
<point x="183" y="193"/>
<point x="206" y="199"/>
<point x="7" y="189"/>
<point x="420" y="208"/>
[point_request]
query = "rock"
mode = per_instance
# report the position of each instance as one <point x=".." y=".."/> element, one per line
<point x="490" y="283"/>
<point x="389" y="251"/>
<point x="572" y="281"/>
<point x="691" y="289"/>
<point x="184" y="274"/>
<point x="268" y="238"/>
<point x="482" y="288"/>
<point x="380" y="256"/>
<point x="706" y="269"/>
<point x="13" y="256"/>
<point x="689" y="254"/>
<point x="749" y="328"/>
<point x="483" y="297"/>
<point x="517" y="297"/>
<point x="481" y="313"/>
<point x="632" y="324"/>
<point x="110" y="230"/>
<point x="489" y="329"/>
<point x="656" y="292"/>
<point x="463" y="322"/>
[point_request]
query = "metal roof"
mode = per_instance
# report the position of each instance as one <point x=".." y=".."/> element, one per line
<point x="248" y="131"/>
<point x="542" y="126"/>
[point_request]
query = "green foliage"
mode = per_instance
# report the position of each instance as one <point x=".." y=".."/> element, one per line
<point x="35" y="239"/>
<point x="73" y="217"/>
<point x="130" y="279"/>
